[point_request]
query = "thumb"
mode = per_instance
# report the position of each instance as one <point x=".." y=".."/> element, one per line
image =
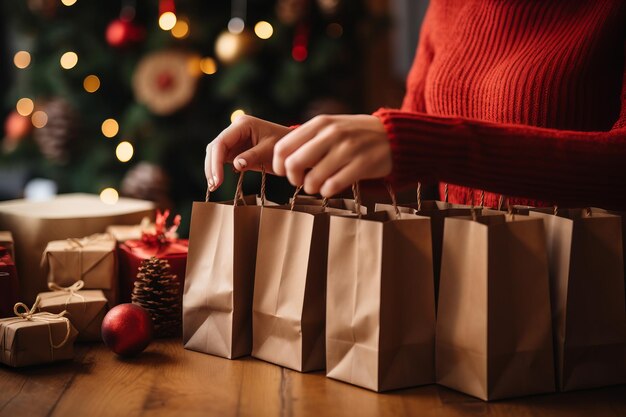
<point x="255" y="157"/>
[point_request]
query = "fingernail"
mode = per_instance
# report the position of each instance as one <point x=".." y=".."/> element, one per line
<point x="242" y="162"/>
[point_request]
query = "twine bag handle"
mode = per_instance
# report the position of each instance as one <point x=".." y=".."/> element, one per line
<point x="419" y="197"/>
<point x="239" y="189"/>
<point x="394" y="201"/>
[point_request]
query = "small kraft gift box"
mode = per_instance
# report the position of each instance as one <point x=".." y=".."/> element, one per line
<point x="32" y="338"/>
<point x="85" y="308"/>
<point x="90" y="259"/>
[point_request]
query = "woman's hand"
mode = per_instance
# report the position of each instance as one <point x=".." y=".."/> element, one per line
<point x="338" y="150"/>
<point x="248" y="143"/>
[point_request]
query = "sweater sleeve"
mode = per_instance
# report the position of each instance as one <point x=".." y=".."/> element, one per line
<point x="570" y="167"/>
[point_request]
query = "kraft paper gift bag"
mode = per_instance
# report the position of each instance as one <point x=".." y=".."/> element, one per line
<point x="380" y="316"/>
<point x="289" y="306"/>
<point x="217" y="297"/>
<point x="35" y="223"/>
<point x="494" y="333"/>
<point x="437" y="211"/>
<point x="85" y="308"/>
<point x="587" y="283"/>
<point x="337" y="203"/>
<point x="91" y="259"/>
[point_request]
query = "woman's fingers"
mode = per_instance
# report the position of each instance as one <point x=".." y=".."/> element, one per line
<point x="348" y="175"/>
<point x="256" y="156"/>
<point x="207" y="167"/>
<point x="295" y="139"/>
<point x="324" y="169"/>
<point x="231" y="137"/>
<point x="308" y="156"/>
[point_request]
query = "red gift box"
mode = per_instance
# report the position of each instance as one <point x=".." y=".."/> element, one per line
<point x="9" y="291"/>
<point x="161" y="245"/>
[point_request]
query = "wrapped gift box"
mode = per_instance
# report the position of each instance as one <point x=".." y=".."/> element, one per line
<point x="90" y="259"/>
<point x="6" y="241"/>
<point x="9" y="285"/>
<point x="35" y="338"/>
<point x="85" y="309"/>
<point x="34" y="224"/>
<point x="122" y="233"/>
<point x="133" y="252"/>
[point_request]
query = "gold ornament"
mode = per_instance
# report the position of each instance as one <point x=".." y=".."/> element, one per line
<point x="230" y="47"/>
<point x="290" y="12"/>
<point x="163" y="82"/>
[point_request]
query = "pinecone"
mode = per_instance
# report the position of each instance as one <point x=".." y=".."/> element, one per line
<point x="158" y="291"/>
<point x="147" y="181"/>
<point x="56" y="138"/>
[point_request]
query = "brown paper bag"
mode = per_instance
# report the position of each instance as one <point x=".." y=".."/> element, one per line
<point x="289" y="289"/>
<point x="35" y="223"/>
<point x="493" y="335"/>
<point x="217" y="298"/>
<point x="437" y="211"/>
<point x="85" y="308"/>
<point x="90" y="259"/>
<point x="336" y="203"/>
<point x="587" y="283"/>
<point x="380" y="317"/>
<point x="33" y="338"/>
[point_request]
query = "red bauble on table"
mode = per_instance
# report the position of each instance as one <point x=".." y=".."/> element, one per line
<point x="122" y="33"/>
<point x="127" y="329"/>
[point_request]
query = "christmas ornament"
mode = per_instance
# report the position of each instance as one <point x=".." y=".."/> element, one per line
<point x="147" y="181"/>
<point x="163" y="82"/>
<point x="290" y="12"/>
<point x="300" y="48"/>
<point x="329" y="7"/>
<point x="44" y="8"/>
<point x="122" y="33"/>
<point x="16" y="127"/>
<point x="127" y="329"/>
<point x="230" y="47"/>
<point x="56" y="138"/>
<point x="158" y="291"/>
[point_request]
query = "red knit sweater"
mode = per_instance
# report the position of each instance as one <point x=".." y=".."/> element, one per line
<point x="524" y="98"/>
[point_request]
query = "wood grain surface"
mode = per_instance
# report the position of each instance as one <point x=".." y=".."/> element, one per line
<point x="167" y="380"/>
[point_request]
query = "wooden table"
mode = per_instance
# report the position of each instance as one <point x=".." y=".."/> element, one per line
<point x="167" y="380"/>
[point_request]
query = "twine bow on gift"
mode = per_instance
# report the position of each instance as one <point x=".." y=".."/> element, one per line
<point x="72" y="291"/>
<point x="22" y="312"/>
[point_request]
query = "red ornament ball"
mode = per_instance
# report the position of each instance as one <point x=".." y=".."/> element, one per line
<point x="127" y="329"/>
<point x="17" y="126"/>
<point x="122" y="33"/>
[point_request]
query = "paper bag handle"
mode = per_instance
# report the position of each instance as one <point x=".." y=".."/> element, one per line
<point x="356" y="193"/>
<point x="239" y="189"/>
<point x="293" y="199"/>
<point x="394" y="201"/>
<point x="419" y="197"/>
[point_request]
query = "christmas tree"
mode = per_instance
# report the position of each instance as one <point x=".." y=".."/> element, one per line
<point x="125" y="96"/>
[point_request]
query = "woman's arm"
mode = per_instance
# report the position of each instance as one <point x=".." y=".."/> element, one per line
<point x="564" y="166"/>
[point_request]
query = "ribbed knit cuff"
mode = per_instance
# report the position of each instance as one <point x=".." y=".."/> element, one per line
<point x="421" y="150"/>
